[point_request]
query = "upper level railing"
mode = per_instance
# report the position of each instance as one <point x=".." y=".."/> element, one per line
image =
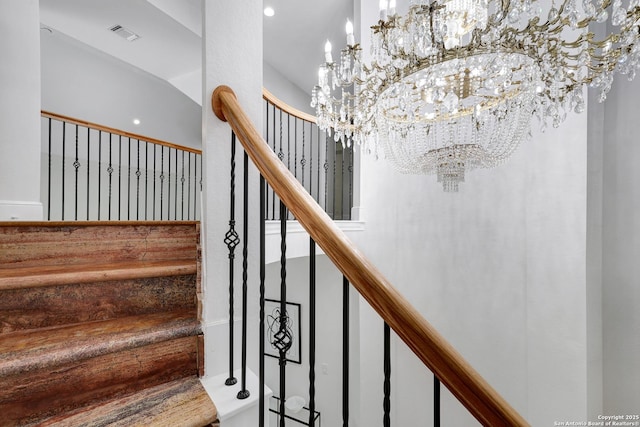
<point x="94" y="172"/>
<point x="447" y="365"/>
<point x="324" y="168"/>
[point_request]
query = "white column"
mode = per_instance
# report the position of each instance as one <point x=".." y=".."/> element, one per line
<point x="233" y="57"/>
<point x="20" y="110"/>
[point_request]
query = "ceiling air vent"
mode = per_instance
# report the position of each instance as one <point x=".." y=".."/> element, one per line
<point x="124" y="33"/>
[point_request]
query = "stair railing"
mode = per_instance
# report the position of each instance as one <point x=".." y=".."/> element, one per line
<point x="324" y="168"/>
<point x="447" y="365"/>
<point x="94" y="172"/>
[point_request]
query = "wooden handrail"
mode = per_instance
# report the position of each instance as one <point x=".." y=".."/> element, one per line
<point x="114" y="131"/>
<point x="482" y="401"/>
<point x="270" y="98"/>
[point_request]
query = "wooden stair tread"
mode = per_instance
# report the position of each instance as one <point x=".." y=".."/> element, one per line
<point x="50" y="275"/>
<point x="182" y="403"/>
<point x="24" y="351"/>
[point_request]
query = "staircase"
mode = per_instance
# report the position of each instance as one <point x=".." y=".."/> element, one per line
<point x="100" y="325"/>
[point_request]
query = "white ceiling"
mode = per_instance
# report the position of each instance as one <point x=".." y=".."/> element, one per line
<point x="170" y="30"/>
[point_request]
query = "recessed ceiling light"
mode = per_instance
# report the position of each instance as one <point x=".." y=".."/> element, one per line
<point x="268" y="11"/>
<point x="136" y="121"/>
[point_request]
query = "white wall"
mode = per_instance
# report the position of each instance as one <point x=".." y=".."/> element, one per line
<point x="621" y="246"/>
<point x="286" y="90"/>
<point x="20" y="111"/>
<point x="498" y="268"/>
<point x="81" y="82"/>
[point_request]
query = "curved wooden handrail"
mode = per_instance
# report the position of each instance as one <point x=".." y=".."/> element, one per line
<point x="270" y="98"/>
<point x="482" y="401"/>
<point x="114" y="131"/>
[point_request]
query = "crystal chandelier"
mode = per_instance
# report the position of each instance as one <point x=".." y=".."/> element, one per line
<point x="453" y="85"/>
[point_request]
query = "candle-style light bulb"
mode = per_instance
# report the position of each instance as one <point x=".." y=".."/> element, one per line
<point x="327" y="52"/>
<point x="383" y="10"/>
<point x="392" y="7"/>
<point x="350" y="39"/>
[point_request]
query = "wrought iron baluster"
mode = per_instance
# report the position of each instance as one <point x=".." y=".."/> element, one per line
<point x="232" y="240"/>
<point x="261" y="387"/>
<point x="119" y="177"/>
<point x="189" y="188"/>
<point x="129" y="181"/>
<point x="182" y="191"/>
<point x="146" y="179"/>
<point x="436" y="401"/>
<point x="312" y="331"/>
<point x="175" y="193"/>
<point x="110" y="171"/>
<point x="295" y="146"/>
<point x="64" y="143"/>
<point x="386" y="403"/>
<point x="244" y="392"/>
<point x="318" y="180"/>
<point x="303" y="160"/>
<point x="169" y="184"/>
<point x="283" y="341"/>
<point x="345" y="352"/>
<point x="161" y="180"/>
<point x="138" y="174"/>
<point x="76" y="165"/>
<point x="268" y="138"/>
<point x="155" y="168"/>
<point x="49" y="174"/>
<point x="99" y="170"/>
<point x="88" y="166"/>
<point x="326" y="173"/>
<point x="351" y="153"/>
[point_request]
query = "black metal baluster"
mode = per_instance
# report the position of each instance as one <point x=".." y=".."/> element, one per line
<point x="49" y="175"/>
<point x="312" y="331"/>
<point x="88" y="167"/>
<point x="138" y="174"/>
<point x="231" y="239"/>
<point x="273" y="193"/>
<point x="386" y="404"/>
<point x="161" y="179"/>
<point x="326" y="174"/>
<point x="244" y="392"/>
<point x="169" y="184"/>
<point x="175" y="193"/>
<point x="295" y="147"/>
<point x="263" y="202"/>
<point x="155" y="155"/>
<point x="281" y="153"/>
<point x="182" y="191"/>
<point x="146" y="179"/>
<point x="265" y="206"/>
<point x="110" y="171"/>
<point x="351" y="153"/>
<point x="129" y="181"/>
<point x="119" y="177"/>
<point x="436" y="401"/>
<point x="303" y="160"/>
<point x="318" y="180"/>
<point x="189" y="188"/>
<point x="64" y="143"/>
<point x="99" y="169"/>
<point x="283" y="344"/>
<point x="76" y="165"/>
<point x="345" y="352"/>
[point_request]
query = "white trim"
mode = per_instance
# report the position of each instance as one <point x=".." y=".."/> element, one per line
<point x="12" y="210"/>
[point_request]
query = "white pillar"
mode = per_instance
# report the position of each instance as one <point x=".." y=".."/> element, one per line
<point x="233" y="57"/>
<point x="20" y="110"/>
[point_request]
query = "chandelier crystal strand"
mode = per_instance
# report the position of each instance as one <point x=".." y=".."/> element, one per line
<point x="452" y="85"/>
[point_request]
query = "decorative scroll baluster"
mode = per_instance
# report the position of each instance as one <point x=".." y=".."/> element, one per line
<point x="129" y="181"/>
<point x="386" y="404"/>
<point x="110" y="171"/>
<point x="345" y="352"/>
<point x="138" y="174"/>
<point x="303" y="160"/>
<point x="232" y="240"/>
<point x="76" y="165"/>
<point x="244" y="392"/>
<point x="312" y="331"/>
<point x="282" y="340"/>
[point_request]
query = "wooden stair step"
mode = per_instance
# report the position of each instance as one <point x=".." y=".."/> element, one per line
<point x="27" y="244"/>
<point x="183" y="403"/>
<point x="41" y="394"/>
<point x="24" y="351"/>
<point x="51" y="275"/>
<point x="42" y="307"/>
